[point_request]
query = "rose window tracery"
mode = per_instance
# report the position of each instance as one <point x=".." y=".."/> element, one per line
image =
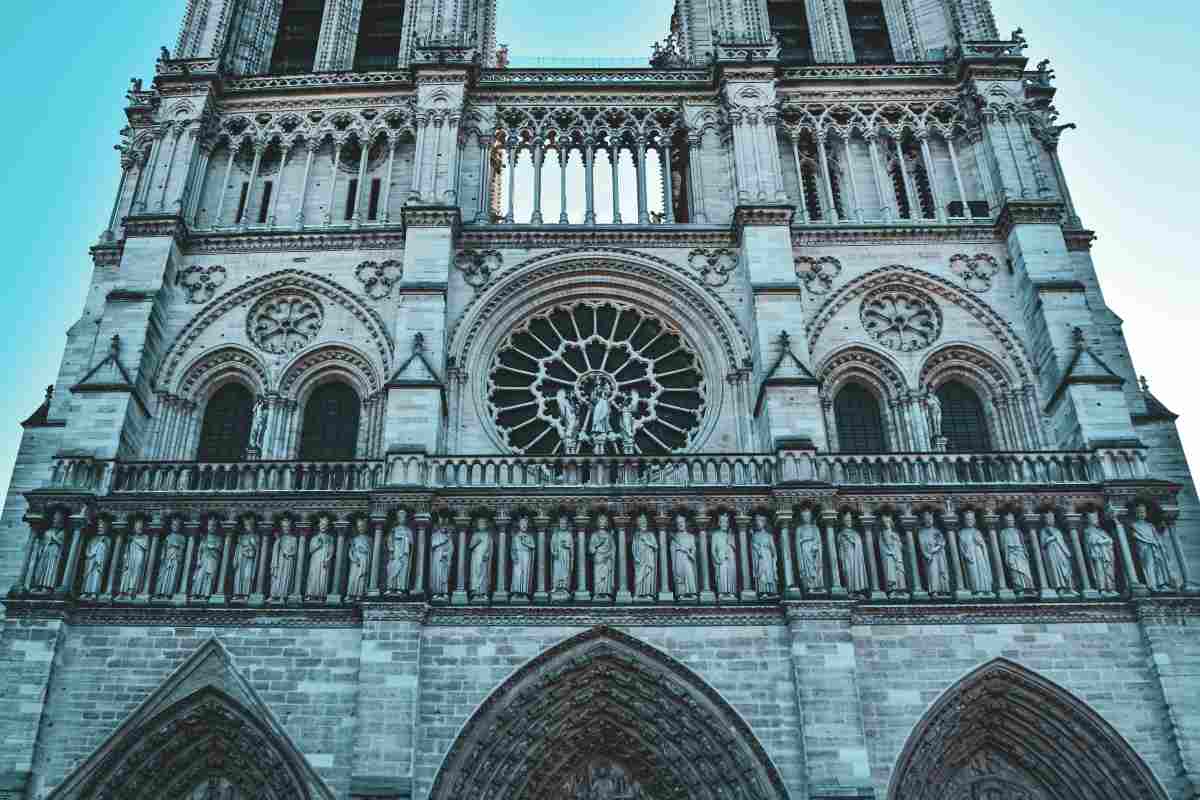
<point x="286" y="322"/>
<point x="596" y="377"/>
<point x="901" y="318"/>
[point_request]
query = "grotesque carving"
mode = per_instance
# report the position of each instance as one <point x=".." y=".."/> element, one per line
<point x="901" y="318"/>
<point x="683" y="558"/>
<point x="766" y="560"/>
<point x="973" y="548"/>
<point x="480" y="549"/>
<point x="360" y="560"/>
<point x="850" y="549"/>
<point x="285" y="322"/>
<point x="283" y="566"/>
<point x="96" y="558"/>
<point x="603" y="551"/>
<point x="399" y="563"/>
<point x="521" y="552"/>
<point x="1057" y="555"/>
<point x="1099" y="547"/>
<point x="320" y="560"/>
<point x="932" y="545"/>
<point x="724" y="557"/>
<point x="809" y="563"/>
<point x="49" y="553"/>
<point x="891" y="551"/>
<point x="645" y="558"/>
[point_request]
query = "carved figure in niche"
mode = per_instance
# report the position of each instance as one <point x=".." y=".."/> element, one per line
<point x="521" y="551"/>
<point x="480" y="550"/>
<point x="932" y="545"/>
<point x="601" y="425"/>
<point x="629" y="405"/>
<point x="568" y="422"/>
<point x="320" y="560"/>
<point x="247" y="558"/>
<point x="683" y="558"/>
<point x="1150" y="551"/>
<point x="973" y="548"/>
<point x="933" y="406"/>
<point x="49" y="553"/>
<point x="645" y="558"/>
<point x="724" y="557"/>
<point x="208" y="560"/>
<point x="283" y="565"/>
<point x="891" y="549"/>
<point x="810" y="564"/>
<point x="171" y="564"/>
<point x="96" y="558"/>
<point x="562" y="555"/>
<point x="360" y="560"/>
<point x="400" y="545"/>
<point x="850" y="549"/>
<point x="133" y="571"/>
<point x="1057" y="555"/>
<point x="1099" y="547"/>
<point x="441" y="555"/>
<point x="603" y="552"/>
<point x="766" y="558"/>
<point x="1012" y="545"/>
<point x="258" y="428"/>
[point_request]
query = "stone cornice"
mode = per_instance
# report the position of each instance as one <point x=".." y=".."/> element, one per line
<point x="107" y="254"/>
<point x="883" y="233"/>
<point x="1028" y="212"/>
<point x="389" y="237"/>
<point x="433" y="217"/>
<point x="856" y="72"/>
<point x="1079" y="240"/>
<point x="625" y="77"/>
<point x="762" y="214"/>
<point x="395" y="80"/>
<point x="150" y="225"/>
<point x="993" y="613"/>
<point x="557" y="236"/>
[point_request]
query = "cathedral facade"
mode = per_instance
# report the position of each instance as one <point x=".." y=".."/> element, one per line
<point x="748" y="425"/>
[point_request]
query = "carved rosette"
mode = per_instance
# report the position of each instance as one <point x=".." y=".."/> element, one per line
<point x="285" y="322"/>
<point x="201" y="283"/>
<point x="597" y="377"/>
<point x="714" y="265"/>
<point x="378" y="277"/>
<point x="818" y="274"/>
<point x="901" y="318"/>
<point x="976" y="271"/>
<point x="478" y="266"/>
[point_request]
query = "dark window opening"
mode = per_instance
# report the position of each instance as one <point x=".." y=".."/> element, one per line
<point x="924" y="189"/>
<point x="378" y="46"/>
<point x="241" y="209"/>
<point x="901" y="192"/>
<point x="265" y="207"/>
<point x="835" y="187"/>
<point x="296" y="42"/>
<point x="789" y="21"/>
<point x="812" y="196"/>
<point x="225" y="431"/>
<point x="330" y="431"/>
<point x="976" y="208"/>
<point x="859" y="422"/>
<point x="963" y="422"/>
<point x="373" y="200"/>
<point x="868" y="32"/>
<point x="351" y="198"/>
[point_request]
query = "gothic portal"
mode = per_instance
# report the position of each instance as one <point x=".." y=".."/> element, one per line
<point x="748" y="425"/>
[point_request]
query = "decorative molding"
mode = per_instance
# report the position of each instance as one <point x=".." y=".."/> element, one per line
<point x="1028" y="212"/>
<point x="148" y="225"/>
<point x="976" y="271"/>
<point x="285" y="321"/>
<point x="201" y="283"/>
<point x="378" y="278"/>
<point x="1066" y="612"/>
<point x="559" y="236"/>
<point x="810" y="235"/>
<point x="901" y="318"/>
<point x="478" y="266"/>
<point x="714" y="265"/>
<point x="818" y="274"/>
<point x="575" y="615"/>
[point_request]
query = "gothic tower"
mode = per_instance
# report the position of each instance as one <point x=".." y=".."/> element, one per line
<point x="747" y="425"/>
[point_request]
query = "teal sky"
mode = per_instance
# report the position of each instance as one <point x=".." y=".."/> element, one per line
<point x="1127" y="78"/>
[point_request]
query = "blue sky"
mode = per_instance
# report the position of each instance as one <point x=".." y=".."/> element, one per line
<point x="1128" y="79"/>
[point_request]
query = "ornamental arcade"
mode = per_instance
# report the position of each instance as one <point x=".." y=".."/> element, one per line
<point x="748" y="424"/>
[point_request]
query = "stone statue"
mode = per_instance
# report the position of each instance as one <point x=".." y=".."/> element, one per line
<point x="283" y="565"/>
<point x="568" y="421"/>
<point x="724" y="557"/>
<point x="258" y="428"/>
<point x="562" y="555"/>
<point x="133" y="571"/>
<point x="208" y="560"/>
<point x="320" y="560"/>
<point x="891" y="550"/>
<point x="850" y="548"/>
<point x="973" y="547"/>
<point x="1012" y="545"/>
<point x="171" y="565"/>
<point x="933" y="406"/>
<point x="1150" y="551"/>
<point x="601" y="424"/>
<point x="1057" y="555"/>
<point x="246" y="560"/>
<point x="683" y="558"/>
<point x="1099" y="548"/>
<point x="521" y="551"/>
<point x="441" y="556"/>
<point x="480" y="551"/>
<point x="810" y="565"/>
<point x="360" y="560"/>
<point x="400" y="545"/>
<point x="96" y="558"/>
<point x="49" y="553"/>
<point x="766" y="559"/>
<point x="932" y="545"/>
<point x="628" y="428"/>
<point x="603" y="552"/>
<point x="645" y="559"/>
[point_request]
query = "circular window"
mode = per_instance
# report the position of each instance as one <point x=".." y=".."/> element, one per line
<point x="285" y="322"/>
<point x="596" y="377"/>
<point x="901" y="318"/>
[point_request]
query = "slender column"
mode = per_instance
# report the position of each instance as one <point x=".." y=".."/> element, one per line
<point x="913" y="210"/>
<point x="958" y="181"/>
<point x="836" y="588"/>
<point x="696" y="171"/>
<point x="783" y="521"/>
<point x="950" y="523"/>
<point x="666" y="593"/>
<point x="228" y="527"/>
<point x="856" y="211"/>
<point x="755" y="151"/>
<point x="162" y="197"/>
<point x="1035" y="163"/>
<point x="310" y="146"/>
<point x="885" y="206"/>
<point x="614" y="155"/>
<point x="918" y="587"/>
<point x="668" y="190"/>
<point x="439" y="123"/>
<point x="459" y="597"/>
<point x="501" y="593"/>
<point x="939" y="209"/>
<point x="582" y="595"/>
<point x="542" y="591"/>
<point x="258" y="152"/>
<point x="485" y="177"/>
<point x="259" y="595"/>
<point x="339" y="562"/>
<point x="1003" y="590"/>
<point x="870" y="553"/>
<point x="414" y="193"/>
<point x="452" y="167"/>
<point x="150" y="575"/>
<point x="364" y="151"/>
<point x="623" y="593"/>
<point x="303" y="533"/>
<point x="800" y="204"/>
<point x="512" y="154"/>
<point x="828" y="181"/>
<point x="1085" y="581"/>
<point x="115" y="560"/>
<point x="337" y="160"/>
<point x="702" y="560"/>
<point x="126" y="166"/>
<point x="424" y="531"/>
<point x="151" y="168"/>
<point x="564" y="155"/>
<point x="272" y="216"/>
<point x="182" y="588"/>
<point x="196" y="192"/>
<point x="1045" y="592"/>
<point x="982" y="169"/>
<point x="538" y="158"/>
<point x="224" y="188"/>
<point x="643" y="212"/>
<point x="589" y="184"/>
<point x="1012" y="152"/>
<point x="748" y="594"/>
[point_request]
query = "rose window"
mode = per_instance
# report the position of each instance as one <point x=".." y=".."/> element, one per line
<point x="901" y="318"/>
<point x="285" y="323"/>
<point x="596" y="377"/>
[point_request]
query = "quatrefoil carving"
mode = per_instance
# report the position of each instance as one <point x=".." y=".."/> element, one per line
<point x="378" y="278"/>
<point x="478" y="266"/>
<point x="976" y="271"/>
<point x="714" y="265"/>
<point x="818" y="274"/>
<point x="201" y="283"/>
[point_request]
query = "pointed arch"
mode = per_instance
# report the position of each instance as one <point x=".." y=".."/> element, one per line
<point x="1006" y="725"/>
<point x="604" y="695"/>
<point x="204" y="723"/>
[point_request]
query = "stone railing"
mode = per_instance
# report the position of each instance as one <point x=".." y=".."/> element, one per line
<point x="968" y="469"/>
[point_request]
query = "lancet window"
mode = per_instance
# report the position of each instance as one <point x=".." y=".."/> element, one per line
<point x="964" y="423"/>
<point x="330" y="427"/>
<point x="225" y="431"/>
<point x="789" y="22"/>
<point x="379" y="35"/>
<point x="859" y="421"/>
<point x="296" y="43"/>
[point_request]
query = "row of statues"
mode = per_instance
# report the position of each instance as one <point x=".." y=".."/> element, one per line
<point x="475" y="561"/>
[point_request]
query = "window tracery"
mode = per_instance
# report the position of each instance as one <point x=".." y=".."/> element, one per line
<point x="285" y="322"/>
<point x="901" y="318"/>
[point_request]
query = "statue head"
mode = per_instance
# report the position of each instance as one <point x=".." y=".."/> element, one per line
<point x="723" y="520"/>
<point x="105" y="525"/>
<point x="210" y="525"/>
<point x="176" y="524"/>
<point x="1048" y="518"/>
<point x="888" y="522"/>
<point x="969" y="519"/>
<point x="1141" y="512"/>
<point x="760" y="522"/>
<point x="139" y="524"/>
<point x="323" y="523"/>
<point x="602" y="521"/>
<point x="847" y="519"/>
<point x="248" y="523"/>
<point x="58" y="519"/>
<point x="401" y="516"/>
<point x="681" y="524"/>
<point x="523" y="523"/>
<point x="285" y="525"/>
<point x="360" y="525"/>
<point x="806" y="516"/>
<point x="927" y="518"/>
<point x="1093" y="518"/>
<point x="643" y="521"/>
<point x="1010" y="519"/>
<point x="564" y="522"/>
<point x="481" y="524"/>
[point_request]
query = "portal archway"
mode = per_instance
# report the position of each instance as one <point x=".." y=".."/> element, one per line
<point x="1007" y="733"/>
<point x="605" y="711"/>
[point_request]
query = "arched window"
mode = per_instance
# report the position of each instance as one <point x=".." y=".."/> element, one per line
<point x="225" y="432"/>
<point x="296" y="42"/>
<point x="330" y="430"/>
<point x="963" y="422"/>
<point x="859" y="423"/>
